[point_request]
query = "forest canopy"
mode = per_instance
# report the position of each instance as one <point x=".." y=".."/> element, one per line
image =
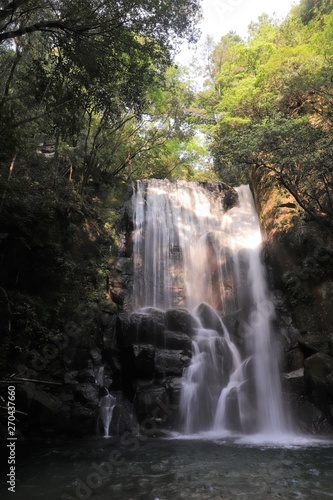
<point x="270" y="100"/>
<point x="89" y="99"/>
<point x="83" y="75"/>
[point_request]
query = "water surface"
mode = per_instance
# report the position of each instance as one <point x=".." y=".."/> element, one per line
<point x="144" y="468"/>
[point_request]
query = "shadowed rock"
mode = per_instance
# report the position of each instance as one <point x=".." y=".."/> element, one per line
<point x="180" y="320"/>
<point x="169" y="362"/>
<point x="209" y="318"/>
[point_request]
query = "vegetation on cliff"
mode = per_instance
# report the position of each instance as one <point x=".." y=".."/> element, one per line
<point x="270" y="98"/>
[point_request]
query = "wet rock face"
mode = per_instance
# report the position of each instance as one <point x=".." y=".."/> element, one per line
<point x="318" y="377"/>
<point x="180" y="320"/>
<point x="123" y="420"/>
<point x="299" y="259"/>
<point x="169" y="216"/>
<point x="308" y="418"/>
<point x="177" y="341"/>
<point x="300" y="262"/>
<point x="170" y="362"/>
<point x="140" y="328"/>
<point x="209" y="318"/>
<point x="155" y="347"/>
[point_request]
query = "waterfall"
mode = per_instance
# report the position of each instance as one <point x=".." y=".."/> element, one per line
<point x="175" y="222"/>
<point x="189" y="252"/>
<point x="242" y="224"/>
<point x="107" y="402"/>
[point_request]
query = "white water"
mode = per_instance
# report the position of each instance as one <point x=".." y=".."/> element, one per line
<point x="172" y="221"/>
<point x="106" y="404"/>
<point x="243" y="225"/>
<point x="188" y="251"/>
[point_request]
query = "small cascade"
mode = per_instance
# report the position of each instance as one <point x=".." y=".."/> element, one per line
<point x="191" y="253"/>
<point x="214" y="359"/>
<point x="99" y="376"/>
<point x="107" y="402"/>
<point x="233" y="394"/>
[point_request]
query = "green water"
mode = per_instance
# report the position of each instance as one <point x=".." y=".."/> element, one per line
<point x="170" y="469"/>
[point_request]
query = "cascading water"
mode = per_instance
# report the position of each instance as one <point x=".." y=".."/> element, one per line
<point x="268" y="415"/>
<point x="107" y="403"/>
<point x="172" y="221"/>
<point x="189" y="252"/>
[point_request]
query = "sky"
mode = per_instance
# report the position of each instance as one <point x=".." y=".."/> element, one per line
<point x="222" y="16"/>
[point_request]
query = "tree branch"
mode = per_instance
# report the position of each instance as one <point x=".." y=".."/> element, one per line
<point x="10" y="8"/>
<point x="42" y="26"/>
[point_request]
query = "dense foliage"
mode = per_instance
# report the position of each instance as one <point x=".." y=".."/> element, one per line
<point x="83" y="76"/>
<point x="270" y="98"/>
<point x="88" y="99"/>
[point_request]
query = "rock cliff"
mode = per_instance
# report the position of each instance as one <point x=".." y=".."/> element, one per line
<point x="299" y="257"/>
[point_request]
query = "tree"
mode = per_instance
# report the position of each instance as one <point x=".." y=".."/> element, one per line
<point x="93" y="18"/>
<point x="163" y="143"/>
<point x="271" y="98"/>
<point x="309" y="9"/>
<point x="81" y="71"/>
<point x="298" y="155"/>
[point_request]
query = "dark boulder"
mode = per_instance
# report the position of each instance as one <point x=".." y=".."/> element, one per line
<point x="87" y="394"/>
<point x="121" y="281"/>
<point x="314" y="342"/>
<point x="157" y="314"/>
<point x="318" y="376"/>
<point x="306" y="417"/>
<point x="137" y="362"/>
<point x="232" y="412"/>
<point x="87" y="375"/>
<point x="138" y="328"/>
<point x="209" y="318"/>
<point x="180" y="320"/>
<point x="318" y="368"/>
<point x="174" y="387"/>
<point x="169" y="362"/>
<point x="140" y="360"/>
<point x="149" y="403"/>
<point x="178" y="341"/>
<point x="123" y="418"/>
<point x="96" y="356"/>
